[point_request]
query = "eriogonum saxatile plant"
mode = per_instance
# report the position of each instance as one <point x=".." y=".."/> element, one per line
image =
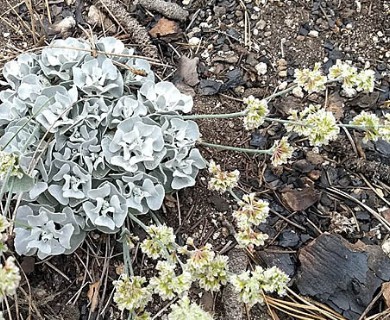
<point x="222" y="180"/>
<point x="96" y="136"/>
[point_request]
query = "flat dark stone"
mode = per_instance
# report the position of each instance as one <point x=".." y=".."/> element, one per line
<point x="342" y="275"/>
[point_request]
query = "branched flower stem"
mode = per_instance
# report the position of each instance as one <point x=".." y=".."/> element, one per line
<point x="245" y="150"/>
<point x="234" y="114"/>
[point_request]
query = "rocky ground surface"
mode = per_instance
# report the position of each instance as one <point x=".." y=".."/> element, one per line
<point x="322" y="227"/>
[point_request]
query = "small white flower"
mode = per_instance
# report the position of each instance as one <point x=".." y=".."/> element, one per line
<point x="9" y="278"/>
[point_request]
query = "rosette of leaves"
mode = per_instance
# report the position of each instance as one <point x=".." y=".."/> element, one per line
<point x="69" y="183"/>
<point x="126" y="107"/>
<point x="14" y="71"/>
<point x="98" y="76"/>
<point x="164" y="97"/>
<point x="20" y="136"/>
<point x="137" y="143"/>
<point x="143" y="192"/>
<point x="106" y="208"/>
<point x="180" y="171"/>
<point x="57" y="60"/>
<point x="45" y="232"/>
<point x="53" y="105"/>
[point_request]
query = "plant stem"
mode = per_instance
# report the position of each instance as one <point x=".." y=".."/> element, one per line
<point x="215" y="116"/>
<point x="235" y="114"/>
<point x="245" y="150"/>
<point x="137" y="221"/>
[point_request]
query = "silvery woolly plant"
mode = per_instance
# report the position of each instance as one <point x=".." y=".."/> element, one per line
<point x="92" y="139"/>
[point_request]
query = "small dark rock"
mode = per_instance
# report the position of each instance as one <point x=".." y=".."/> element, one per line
<point x="383" y="147"/>
<point x="303" y="31"/>
<point x="219" y="203"/>
<point x="209" y="87"/>
<point x="283" y="261"/>
<point x="258" y="140"/>
<point x="289" y="239"/>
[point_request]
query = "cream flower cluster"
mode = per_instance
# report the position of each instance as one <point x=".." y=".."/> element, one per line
<point x="222" y="180"/>
<point x="282" y="151"/>
<point x="167" y="285"/>
<point x="4" y="224"/>
<point x="315" y="123"/>
<point x="310" y="80"/>
<point x="352" y="80"/>
<point x="185" y="309"/>
<point x="161" y="238"/>
<point x="250" y="285"/>
<point x="255" y="112"/>
<point x="251" y="213"/>
<point x="131" y="293"/>
<point x="373" y="126"/>
<point x="9" y="278"/>
<point x="209" y="269"/>
<point x="9" y="165"/>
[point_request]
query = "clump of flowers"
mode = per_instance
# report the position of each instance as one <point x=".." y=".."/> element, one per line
<point x="9" y="166"/>
<point x="185" y="309"/>
<point x="9" y="278"/>
<point x="167" y="285"/>
<point x="370" y="123"/>
<point x="351" y="79"/>
<point x="4" y="224"/>
<point x="315" y="123"/>
<point x="251" y="213"/>
<point x="131" y="294"/>
<point x="209" y="269"/>
<point x="282" y="151"/>
<point x="162" y="240"/>
<point x="222" y="180"/>
<point x="310" y="80"/>
<point x="255" y="112"/>
<point x="250" y="285"/>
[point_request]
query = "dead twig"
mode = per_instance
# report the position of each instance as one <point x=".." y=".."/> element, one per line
<point x="169" y="9"/>
<point x="137" y="32"/>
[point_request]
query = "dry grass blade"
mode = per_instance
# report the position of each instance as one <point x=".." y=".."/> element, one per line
<point x="31" y="12"/>
<point x="370" y="210"/>
<point x="374" y="189"/>
<point x="300" y="308"/>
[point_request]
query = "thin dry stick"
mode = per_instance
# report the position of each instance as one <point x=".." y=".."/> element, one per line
<point x="31" y="12"/>
<point x="384" y="222"/>
<point x="137" y="32"/>
<point x="169" y="9"/>
<point x="48" y="11"/>
<point x="374" y="189"/>
<point x="315" y="304"/>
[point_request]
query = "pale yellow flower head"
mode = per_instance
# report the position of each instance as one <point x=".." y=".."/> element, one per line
<point x="222" y="180"/>
<point x="310" y="80"/>
<point x="282" y="151"/>
<point x="255" y="112"/>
